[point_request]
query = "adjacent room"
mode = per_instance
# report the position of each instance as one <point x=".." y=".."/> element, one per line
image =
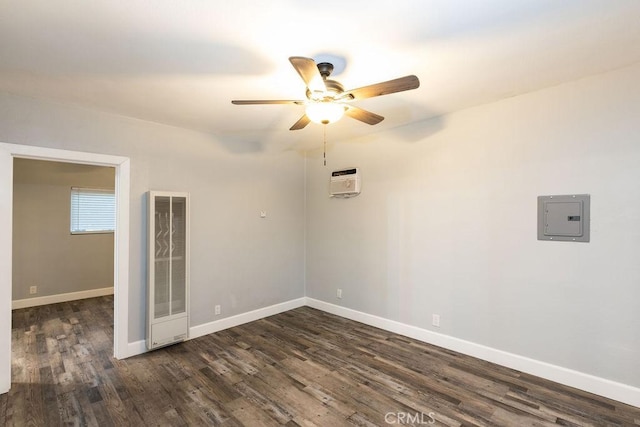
<point x="320" y="213"/>
<point x="57" y="255"/>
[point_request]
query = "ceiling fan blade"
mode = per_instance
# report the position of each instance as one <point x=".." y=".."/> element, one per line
<point x="384" y="88"/>
<point x="301" y="123"/>
<point x="266" y="101"/>
<point x="363" y="115"/>
<point x="308" y="70"/>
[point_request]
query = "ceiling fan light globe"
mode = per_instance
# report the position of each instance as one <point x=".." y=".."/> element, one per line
<point x="324" y="112"/>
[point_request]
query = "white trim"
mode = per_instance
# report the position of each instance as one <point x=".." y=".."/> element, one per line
<point x="121" y="241"/>
<point x="140" y="347"/>
<point x="6" y="249"/>
<point x="121" y="262"/>
<point x="136" y="348"/>
<point x="54" y="299"/>
<point x="600" y="386"/>
<point x="241" y="319"/>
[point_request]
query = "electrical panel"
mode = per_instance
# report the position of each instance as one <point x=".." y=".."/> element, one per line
<point x="564" y="218"/>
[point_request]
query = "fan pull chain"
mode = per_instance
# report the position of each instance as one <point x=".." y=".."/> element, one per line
<point x="324" y="152"/>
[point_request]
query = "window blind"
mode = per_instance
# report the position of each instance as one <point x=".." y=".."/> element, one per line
<point x="92" y="210"/>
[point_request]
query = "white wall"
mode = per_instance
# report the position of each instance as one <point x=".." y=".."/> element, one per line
<point x="239" y="260"/>
<point x="45" y="253"/>
<point x="446" y="224"/>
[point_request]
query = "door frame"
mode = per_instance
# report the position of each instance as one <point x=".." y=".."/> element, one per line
<point x="121" y="241"/>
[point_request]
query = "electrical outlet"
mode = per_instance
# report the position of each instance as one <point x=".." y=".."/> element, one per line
<point x="339" y="293"/>
<point x="217" y="310"/>
<point x="435" y="320"/>
<point x="33" y="290"/>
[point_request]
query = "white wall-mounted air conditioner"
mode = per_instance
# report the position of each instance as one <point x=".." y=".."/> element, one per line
<point x="345" y="183"/>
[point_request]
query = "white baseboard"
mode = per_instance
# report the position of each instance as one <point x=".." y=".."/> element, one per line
<point x="135" y="348"/>
<point x="139" y="347"/>
<point x="54" y="299"/>
<point x="241" y="319"/>
<point x="600" y="386"/>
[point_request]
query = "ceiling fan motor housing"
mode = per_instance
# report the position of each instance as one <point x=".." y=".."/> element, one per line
<point x="325" y="68"/>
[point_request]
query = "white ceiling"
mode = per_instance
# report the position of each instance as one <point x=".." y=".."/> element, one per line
<point x="182" y="62"/>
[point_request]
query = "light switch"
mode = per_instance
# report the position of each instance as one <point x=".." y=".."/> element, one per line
<point x="564" y="218"/>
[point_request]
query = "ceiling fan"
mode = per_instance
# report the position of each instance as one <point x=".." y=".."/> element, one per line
<point x="327" y="100"/>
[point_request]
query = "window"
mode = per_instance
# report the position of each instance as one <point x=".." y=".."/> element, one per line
<point x="92" y="210"/>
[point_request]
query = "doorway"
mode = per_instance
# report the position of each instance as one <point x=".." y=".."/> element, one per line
<point x="121" y="241"/>
<point x="63" y="228"/>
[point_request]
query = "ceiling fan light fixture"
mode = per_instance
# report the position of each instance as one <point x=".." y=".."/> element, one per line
<point x="324" y="112"/>
<point x="326" y="98"/>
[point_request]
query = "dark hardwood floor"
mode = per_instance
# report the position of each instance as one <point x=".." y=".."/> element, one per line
<point x="302" y="367"/>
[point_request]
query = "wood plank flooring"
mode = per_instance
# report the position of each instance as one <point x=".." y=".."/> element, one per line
<point x="299" y="368"/>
